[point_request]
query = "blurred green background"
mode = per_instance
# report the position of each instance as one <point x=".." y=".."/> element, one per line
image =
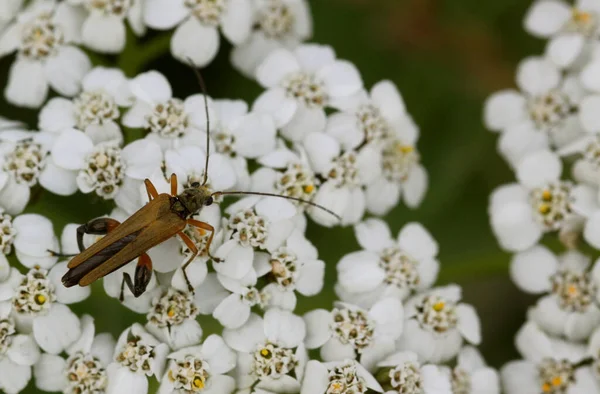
<point x="445" y="56"/>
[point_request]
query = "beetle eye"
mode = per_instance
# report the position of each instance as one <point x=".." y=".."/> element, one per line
<point x="196" y="184"/>
<point x="209" y="201"/>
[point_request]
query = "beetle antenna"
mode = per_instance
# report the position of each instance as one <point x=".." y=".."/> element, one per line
<point x="205" y="93"/>
<point x="312" y="204"/>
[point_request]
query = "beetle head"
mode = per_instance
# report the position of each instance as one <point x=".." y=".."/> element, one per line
<point x="195" y="197"/>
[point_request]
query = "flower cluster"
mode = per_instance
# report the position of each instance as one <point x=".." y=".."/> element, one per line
<point x="549" y="125"/>
<point x="315" y="135"/>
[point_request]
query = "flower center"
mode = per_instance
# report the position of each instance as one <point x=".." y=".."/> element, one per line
<point x="406" y="378"/>
<point x="555" y="376"/>
<point x="400" y="269"/>
<point x="398" y="161"/>
<point x="94" y="108"/>
<point x="461" y="381"/>
<point x="169" y="119"/>
<point x="551" y="204"/>
<point x="137" y="356"/>
<point x="343" y="170"/>
<point x="7" y="332"/>
<point x="208" y="12"/>
<point x="41" y="38"/>
<point x="172" y="308"/>
<point x="353" y="327"/>
<point x="189" y="375"/>
<point x="549" y="110"/>
<point x="35" y="293"/>
<point x="276" y="19"/>
<point x="297" y="181"/>
<point x="249" y="229"/>
<point x="7" y="232"/>
<point x="104" y="170"/>
<point x="110" y="7"/>
<point x="373" y="124"/>
<point x="344" y="379"/>
<point x="272" y="361"/>
<point x="254" y="297"/>
<point x="436" y="314"/>
<point x="25" y="162"/>
<point x="591" y="154"/>
<point x="306" y="88"/>
<point x="284" y="268"/>
<point x="224" y="143"/>
<point x="582" y="22"/>
<point x="85" y="375"/>
<point x="575" y="291"/>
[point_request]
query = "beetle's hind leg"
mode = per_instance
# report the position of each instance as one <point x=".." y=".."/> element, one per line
<point x="142" y="276"/>
<point x="100" y="226"/>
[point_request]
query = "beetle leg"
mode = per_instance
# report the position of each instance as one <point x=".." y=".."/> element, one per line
<point x="142" y="276"/>
<point x="206" y="227"/>
<point x="100" y="226"/>
<point x="150" y="189"/>
<point x="190" y="244"/>
<point x="173" y="184"/>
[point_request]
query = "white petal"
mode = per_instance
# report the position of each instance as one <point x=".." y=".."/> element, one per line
<point x="373" y="234"/>
<point x="531" y="270"/>
<point x="196" y="42"/>
<point x="503" y="109"/>
<point x="232" y="312"/>
<point x="321" y="149"/>
<point x="417" y="241"/>
<point x="164" y="14"/>
<point x="58" y="180"/>
<point x="71" y="148"/>
<point x="313" y="57"/>
<point x="539" y="168"/>
<point x="311" y="278"/>
<point x="49" y="373"/>
<point x="565" y="49"/>
<point x="246" y="338"/>
<point x="66" y="70"/>
<point x="13" y="377"/>
<point x="151" y="87"/>
<point x="537" y="75"/>
<point x="319" y="379"/>
<point x="388" y="315"/>
<point x="66" y="295"/>
<point x="378" y="350"/>
<point x="238" y="259"/>
<point x="360" y="272"/>
<point x="275" y="102"/>
<point x="317" y="328"/>
<point x="219" y="356"/>
<point x="590" y="76"/>
<point x="210" y="294"/>
<point x="58" y="114"/>
<point x="27" y="84"/>
<point x="520" y="140"/>
<point x="284" y="328"/>
<point x="382" y="196"/>
<point x="122" y="380"/>
<point x="104" y="33"/>
<point x="532" y="343"/>
<point x="23" y="350"/>
<point x="415" y="186"/>
<point x="305" y="119"/>
<point x="387" y="98"/>
<point x="515" y="227"/>
<point x="589" y="110"/>
<point x="274" y="209"/>
<point x="56" y="330"/>
<point x="255" y="137"/>
<point x="237" y="20"/>
<point x="334" y="350"/>
<point x="143" y="158"/>
<point x="591" y="231"/>
<point x="546" y="18"/>
<point x="345" y="128"/>
<point x="341" y="79"/>
<point x="278" y="65"/>
<point x="468" y="323"/>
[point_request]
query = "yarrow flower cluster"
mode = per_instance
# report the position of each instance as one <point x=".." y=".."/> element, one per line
<point x="549" y="124"/>
<point x="316" y="135"/>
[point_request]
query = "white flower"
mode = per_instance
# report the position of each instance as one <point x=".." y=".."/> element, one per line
<point x="8" y="10"/>
<point x="570" y="287"/>
<point x="261" y="223"/>
<point x="138" y="355"/>
<point x="42" y="34"/>
<point x="343" y="377"/>
<point x="168" y="119"/>
<point x="345" y="173"/>
<point x="200" y="368"/>
<point x="84" y="368"/>
<point x="18" y="352"/>
<point x="569" y="28"/>
<point x="94" y="111"/>
<point x="33" y="240"/>
<point x="471" y="375"/>
<point x="172" y="319"/>
<point x="104" y="27"/>
<point x="349" y="332"/>
<point x="196" y="37"/>
<point x="23" y="163"/>
<point x="103" y="168"/>
<point x="387" y="267"/>
<point x="10" y="277"/>
<point x="522" y="212"/>
<point x="300" y="84"/>
<point x="405" y="375"/>
<point x="277" y="24"/>
<point x="542" y="114"/>
<point x="436" y="323"/>
<point x="270" y="351"/>
<point x="549" y="366"/>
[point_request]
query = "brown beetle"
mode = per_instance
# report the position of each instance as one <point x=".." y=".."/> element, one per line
<point x="165" y="216"/>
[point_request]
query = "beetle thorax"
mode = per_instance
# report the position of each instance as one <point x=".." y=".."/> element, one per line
<point x="194" y="198"/>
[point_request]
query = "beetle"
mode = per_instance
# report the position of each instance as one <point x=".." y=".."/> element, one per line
<point x="165" y="216"/>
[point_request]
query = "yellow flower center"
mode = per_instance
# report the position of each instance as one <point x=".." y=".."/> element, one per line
<point x="198" y="382"/>
<point x="265" y="352"/>
<point x="40" y="299"/>
<point x="438" y="306"/>
<point x="309" y="188"/>
<point x="556" y="381"/>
